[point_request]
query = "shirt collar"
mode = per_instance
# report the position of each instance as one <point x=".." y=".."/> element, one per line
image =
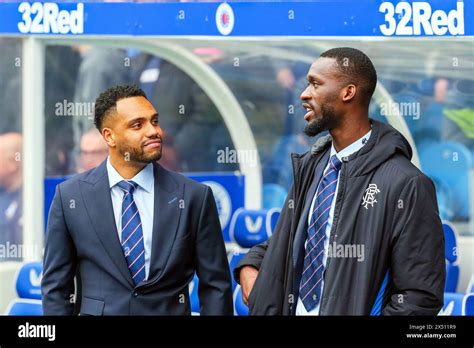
<point x="144" y="178"/>
<point x="352" y="148"/>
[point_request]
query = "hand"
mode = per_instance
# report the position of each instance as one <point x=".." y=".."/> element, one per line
<point x="248" y="275"/>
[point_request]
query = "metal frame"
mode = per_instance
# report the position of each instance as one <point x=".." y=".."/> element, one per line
<point x="33" y="146"/>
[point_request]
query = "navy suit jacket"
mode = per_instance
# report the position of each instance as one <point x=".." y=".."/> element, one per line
<point x="82" y="240"/>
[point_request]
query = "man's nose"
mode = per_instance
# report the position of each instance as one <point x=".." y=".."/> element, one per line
<point x="305" y="95"/>
<point x="152" y="130"/>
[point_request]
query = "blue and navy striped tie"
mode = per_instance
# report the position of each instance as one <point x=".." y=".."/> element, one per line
<point x="132" y="233"/>
<point x="310" y="286"/>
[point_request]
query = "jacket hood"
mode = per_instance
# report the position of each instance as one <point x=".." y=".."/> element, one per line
<point x="384" y="142"/>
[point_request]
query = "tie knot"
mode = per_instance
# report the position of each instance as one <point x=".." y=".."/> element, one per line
<point x="128" y="186"/>
<point x="335" y="163"/>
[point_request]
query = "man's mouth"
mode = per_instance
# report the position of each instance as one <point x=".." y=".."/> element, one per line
<point x="309" y="112"/>
<point x="153" y="144"/>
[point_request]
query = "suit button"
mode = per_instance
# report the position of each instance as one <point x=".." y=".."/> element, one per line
<point x="135" y="294"/>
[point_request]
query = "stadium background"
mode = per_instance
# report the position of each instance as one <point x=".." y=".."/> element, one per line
<point x="227" y="80"/>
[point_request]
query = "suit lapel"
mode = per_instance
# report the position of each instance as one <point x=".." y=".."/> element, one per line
<point x="166" y="214"/>
<point x="98" y="203"/>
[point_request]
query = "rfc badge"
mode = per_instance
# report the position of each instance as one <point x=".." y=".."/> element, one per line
<point x="369" y="196"/>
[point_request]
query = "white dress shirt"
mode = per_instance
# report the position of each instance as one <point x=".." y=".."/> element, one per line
<point x="347" y="151"/>
<point x="143" y="196"/>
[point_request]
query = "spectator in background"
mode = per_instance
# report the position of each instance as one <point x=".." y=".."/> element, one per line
<point x="11" y="184"/>
<point x="170" y="159"/>
<point x="10" y="85"/>
<point x="93" y="150"/>
<point x="61" y="71"/>
<point x="458" y="113"/>
<point x="100" y="68"/>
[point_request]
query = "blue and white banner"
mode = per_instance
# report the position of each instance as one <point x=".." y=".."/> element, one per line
<point x="319" y="18"/>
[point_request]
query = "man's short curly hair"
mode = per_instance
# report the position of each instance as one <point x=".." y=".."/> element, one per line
<point x="107" y="101"/>
<point x="357" y="68"/>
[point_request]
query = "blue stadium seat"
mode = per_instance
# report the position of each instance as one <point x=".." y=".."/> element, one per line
<point x="252" y="227"/>
<point x="25" y="307"/>
<point x="452" y="277"/>
<point x="28" y="282"/>
<point x="274" y="196"/>
<point x="458" y="304"/>
<point x="470" y="285"/>
<point x="453" y="303"/>
<point x="239" y="307"/>
<point x="468" y="305"/>
<point x="448" y="164"/>
<point x="452" y="268"/>
<point x="28" y="287"/>
<point x="193" y="295"/>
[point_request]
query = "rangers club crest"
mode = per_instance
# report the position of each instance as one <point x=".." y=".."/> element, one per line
<point x="225" y="19"/>
<point x="369" y="197"/>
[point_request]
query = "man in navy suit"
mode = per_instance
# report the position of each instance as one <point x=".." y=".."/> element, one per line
<point x="132" y="232"/>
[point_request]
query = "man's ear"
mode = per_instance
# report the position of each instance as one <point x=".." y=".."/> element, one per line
<point x="109" y="136"/>
<point x="349" y="92"/>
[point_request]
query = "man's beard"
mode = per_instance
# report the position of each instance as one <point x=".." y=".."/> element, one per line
<point x="132" y="154"/>
<point x="327" y="121"/>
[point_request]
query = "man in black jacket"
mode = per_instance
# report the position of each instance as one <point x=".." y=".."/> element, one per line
<point x="359" y="233"/>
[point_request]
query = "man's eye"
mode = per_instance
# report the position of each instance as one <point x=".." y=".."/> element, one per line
<point x="136" y="125"/>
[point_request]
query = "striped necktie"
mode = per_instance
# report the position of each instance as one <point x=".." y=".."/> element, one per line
<point x="310" y="286"/>
<point x="132" y="233"/>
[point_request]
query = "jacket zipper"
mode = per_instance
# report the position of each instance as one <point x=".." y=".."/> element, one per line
<point x="337" y="208"/>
